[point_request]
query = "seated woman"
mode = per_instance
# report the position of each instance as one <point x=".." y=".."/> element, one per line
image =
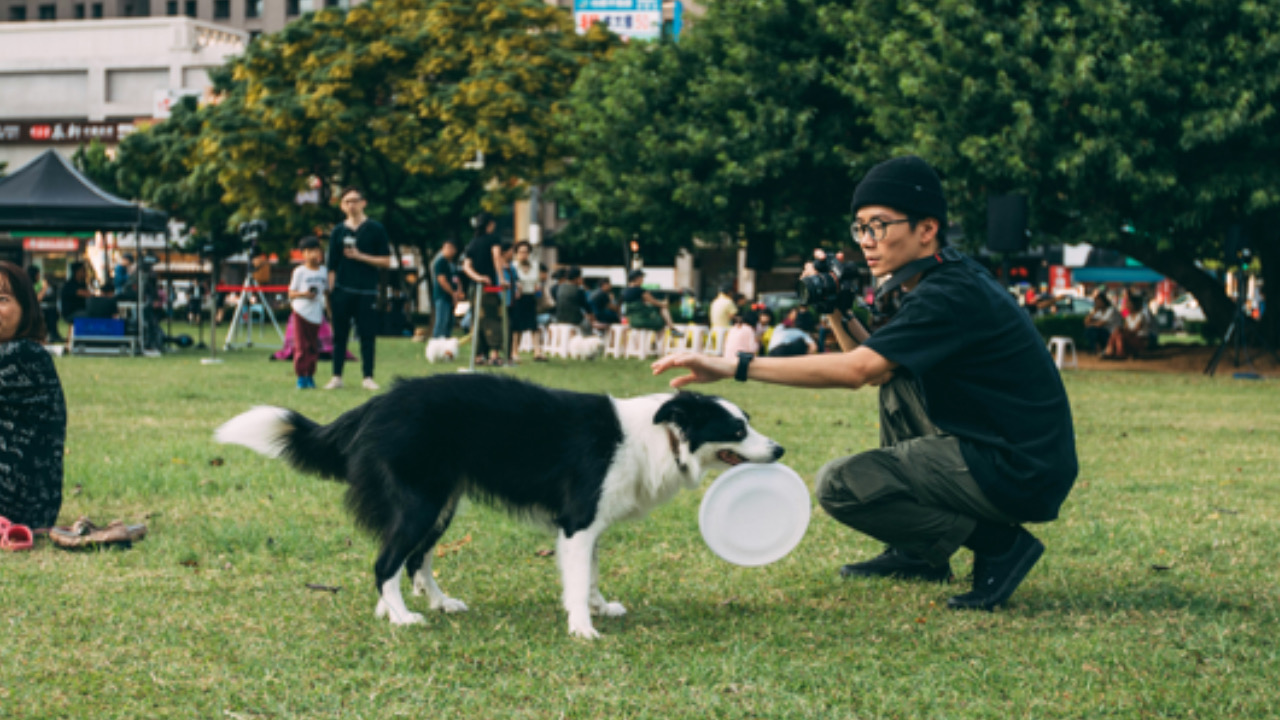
<point x="33" y="412"/>
<point x="642" y="310"/>
<point x="741" y="337"/>
<point x="1101" y="321"/>
<point x="1130" y="338"/>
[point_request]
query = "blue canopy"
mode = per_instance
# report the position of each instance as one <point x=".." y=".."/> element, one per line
<point x="1122" y="275"/>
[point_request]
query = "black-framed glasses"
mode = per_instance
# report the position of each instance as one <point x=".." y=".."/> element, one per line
<point x="876" y="228"/>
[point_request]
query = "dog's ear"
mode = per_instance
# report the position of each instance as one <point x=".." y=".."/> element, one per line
<point x="678" y="409"/>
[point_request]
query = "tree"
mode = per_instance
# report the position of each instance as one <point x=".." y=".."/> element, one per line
<point x="97" y="165"/>
<point x="397" y="96"/>
<point x="160" y="165"/>
<point x="736" y="131"/>
<point x="1141" y="126"/>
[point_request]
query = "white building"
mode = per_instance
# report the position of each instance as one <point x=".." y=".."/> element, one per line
<point x="64" y="83"/>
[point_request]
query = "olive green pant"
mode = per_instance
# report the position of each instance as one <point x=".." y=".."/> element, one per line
<point x="915" y="492"/>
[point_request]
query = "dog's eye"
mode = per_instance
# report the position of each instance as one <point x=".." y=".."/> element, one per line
<point x="741" y="434"/>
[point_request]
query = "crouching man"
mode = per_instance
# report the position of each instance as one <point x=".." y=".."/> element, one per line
<point x="976" y="436"/>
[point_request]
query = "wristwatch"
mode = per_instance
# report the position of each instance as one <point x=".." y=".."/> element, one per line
<point x="744" y="360"/>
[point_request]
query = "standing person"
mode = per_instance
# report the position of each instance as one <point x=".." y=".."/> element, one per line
<point x="358" y="248"/>
<point x="572" y="305"/>
<point x="446" y="289"/>
<point x="33" y="410"/>
<point x="976" y="436"/>
<point x="723" y="308"/>
<point x="482" y="262"/>
<point x="306" y="295"/>
<point x="524" y="311"/>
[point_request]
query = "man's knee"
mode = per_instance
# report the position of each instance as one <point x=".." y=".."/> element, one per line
<point x="848" y="488"/>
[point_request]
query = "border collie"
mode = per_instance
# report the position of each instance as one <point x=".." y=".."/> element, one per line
<point x="578" y="461"/>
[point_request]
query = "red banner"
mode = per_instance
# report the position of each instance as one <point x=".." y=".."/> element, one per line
<point x="1059" y="278"/>
<point x="51" y="244"/>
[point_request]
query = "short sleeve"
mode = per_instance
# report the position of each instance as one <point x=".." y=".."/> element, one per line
<point x="925" y="331"/>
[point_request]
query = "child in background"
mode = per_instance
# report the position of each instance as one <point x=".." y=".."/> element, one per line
<point x="306" y="295"/>
<point x="741" y="337"/>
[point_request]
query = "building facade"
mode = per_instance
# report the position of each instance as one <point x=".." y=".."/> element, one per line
<point x="252" y="16"/>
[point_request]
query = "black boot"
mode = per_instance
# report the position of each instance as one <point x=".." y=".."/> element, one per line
<point x="900" y="564"/>
<point x="996" y="577"/>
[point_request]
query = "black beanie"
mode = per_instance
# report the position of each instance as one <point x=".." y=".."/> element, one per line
<point x="907" y="184"/>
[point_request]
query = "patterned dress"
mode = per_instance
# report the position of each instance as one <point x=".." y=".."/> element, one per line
<point x="33" y="432"/>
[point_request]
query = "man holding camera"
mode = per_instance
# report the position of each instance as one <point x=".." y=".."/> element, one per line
<point x="975" y="428"/>
<point x="358" y="248"/>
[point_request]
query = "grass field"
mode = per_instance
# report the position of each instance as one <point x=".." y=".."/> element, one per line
<point x="1158" y="595"/>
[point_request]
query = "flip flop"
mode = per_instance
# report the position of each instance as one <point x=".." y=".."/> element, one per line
<point x="85" y="534"/>
<point x="14" y="537"/>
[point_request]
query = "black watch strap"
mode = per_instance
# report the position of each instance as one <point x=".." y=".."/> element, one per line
<point x="744" y="360"/>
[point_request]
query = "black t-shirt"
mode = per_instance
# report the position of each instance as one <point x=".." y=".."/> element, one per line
<point x="632" y="294"/>
<point x="353" y="275"/>
<point x="571" y="303"/>
<point x="72" y="301"/>
<point x="480" y="251"/>
<point x="988" y="380"/>
<point x="600" y="301"/>
<point x="442" y="266"/>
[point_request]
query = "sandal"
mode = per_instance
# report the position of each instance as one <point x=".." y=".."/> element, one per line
<point x="84" y="534"/>
<point x="14" y="537"/>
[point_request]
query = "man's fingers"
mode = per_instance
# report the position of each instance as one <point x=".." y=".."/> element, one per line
<point x="679" y="382"/>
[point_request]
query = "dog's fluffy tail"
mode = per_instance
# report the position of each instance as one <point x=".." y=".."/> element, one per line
<point x="278" y="432"/>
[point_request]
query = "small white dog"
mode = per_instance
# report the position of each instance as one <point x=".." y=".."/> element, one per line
<point x="587" y="347"/>
<point x="442" y="350"/>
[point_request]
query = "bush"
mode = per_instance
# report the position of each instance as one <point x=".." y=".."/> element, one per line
<point x="1071" y="326"/>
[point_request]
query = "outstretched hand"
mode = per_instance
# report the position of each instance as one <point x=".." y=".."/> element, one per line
<point x="702" y="368"/>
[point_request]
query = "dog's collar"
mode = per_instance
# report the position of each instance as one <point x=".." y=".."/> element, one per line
<point x="675" y="448"/>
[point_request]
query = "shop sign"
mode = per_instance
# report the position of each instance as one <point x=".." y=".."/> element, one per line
<point x="51" y="244"/>
<point x="69" y="132"/>
<point x="628" y="19"/>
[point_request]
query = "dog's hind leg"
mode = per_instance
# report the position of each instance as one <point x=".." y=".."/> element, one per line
<point x="419" y="567"/>
<point x="415" y="520"/>
<point x="575" y="554"/>
<point x="600" y="606"/>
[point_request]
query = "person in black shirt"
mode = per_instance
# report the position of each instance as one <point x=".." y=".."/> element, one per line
<point x="572" y="305"/>
<point x="445" y="288"/>
<point x="602" y="304"/>
<point x="642" y="310"/>
<point x="358" y="249"/>
<point x="976" y="430"/>
<point x="482" y="262"/>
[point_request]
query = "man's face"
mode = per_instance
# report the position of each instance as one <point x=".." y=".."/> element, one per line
<point x="900" y="243"/>
<point x="450" y="250"/>
<point x="353" y="204"/>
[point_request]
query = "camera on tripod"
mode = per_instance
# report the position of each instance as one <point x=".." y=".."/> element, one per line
<point x="250" y="231"/>
<point x="825" y="293"/>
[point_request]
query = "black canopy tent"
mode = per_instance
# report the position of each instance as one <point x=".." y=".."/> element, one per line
<point x="48" y="193"/>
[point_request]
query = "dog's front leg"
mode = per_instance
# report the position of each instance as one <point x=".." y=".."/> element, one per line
<point x="600" y="606"/>
<point x="574" y="554"/>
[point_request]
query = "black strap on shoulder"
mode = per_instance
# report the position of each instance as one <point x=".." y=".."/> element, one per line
<point x="917" y="267"/>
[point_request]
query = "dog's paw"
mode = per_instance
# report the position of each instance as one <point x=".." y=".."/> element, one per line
<point x="449" y="605"/>
<point x="581" y="628"/>
<point x="609" y="609"/>
<point x="412" y="618"/>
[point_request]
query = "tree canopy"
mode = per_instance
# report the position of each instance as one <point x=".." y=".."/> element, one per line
<point x="397" y="97"/>
<point x="1141" y="126"/>
<point x="734" y="132"/>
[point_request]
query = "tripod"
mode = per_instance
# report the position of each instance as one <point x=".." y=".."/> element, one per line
<point x="1240" y="335"/>
<point x="250" y="290"/>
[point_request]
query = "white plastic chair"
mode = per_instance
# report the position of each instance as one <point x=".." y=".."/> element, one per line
<point x="1058" y="347"/>
<point x="640" y="343"/>
<point x="715" y="341"/>
<point x="615" y="345"/>
<point x="558" y="342"/>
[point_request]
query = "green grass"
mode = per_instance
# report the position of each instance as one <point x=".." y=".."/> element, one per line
<point x="209" y="617"/>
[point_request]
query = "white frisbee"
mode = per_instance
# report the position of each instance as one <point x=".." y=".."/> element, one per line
<point x="755" y="514"/>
